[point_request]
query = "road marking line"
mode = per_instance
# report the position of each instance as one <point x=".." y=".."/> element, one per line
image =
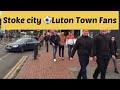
<point x="4" y="56"/>
<point x="12" y="72"/>
<point x="13" y="69"/>
<point x="20" y="66"/>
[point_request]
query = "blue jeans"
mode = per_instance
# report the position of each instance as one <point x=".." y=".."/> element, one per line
<point x="54" y="51"/>
<point x="70" y="50"/>
<point x="84" y="60"/>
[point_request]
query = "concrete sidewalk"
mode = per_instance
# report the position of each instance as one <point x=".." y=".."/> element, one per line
<point x="45" y="68"/>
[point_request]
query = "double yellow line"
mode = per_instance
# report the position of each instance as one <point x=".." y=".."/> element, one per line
<point x="11" y="74"/>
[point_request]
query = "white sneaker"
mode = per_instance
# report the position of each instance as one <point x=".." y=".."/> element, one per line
<point x="54" y="60"/>
<point x="62" y="58"/>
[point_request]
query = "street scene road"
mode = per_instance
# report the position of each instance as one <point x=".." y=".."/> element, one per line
<point x="9" y="59"/>
<point x="44" y="66"/>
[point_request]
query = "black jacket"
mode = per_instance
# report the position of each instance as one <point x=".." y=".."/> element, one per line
<point x="46" y="38"/>
<point x="103" y="45"/>
<point x="115" y="47"/>
<point x="109" y="36"/>
<point x="83" y="45"/>
<point x="55" y="39"/>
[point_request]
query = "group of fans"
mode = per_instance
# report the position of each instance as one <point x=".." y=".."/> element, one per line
<point x="58" y="41"/>
<point x="101" y="49"/>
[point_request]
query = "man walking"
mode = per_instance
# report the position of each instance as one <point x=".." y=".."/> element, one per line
<point x="70" y="43"/>
<point x="46" y="41"/>
<point x="61" y="45"/>
<point x="83" y="45"/>
<point x="55" y="42"/>
<point x="41" y="40"/>
<point x="103" y="49"/>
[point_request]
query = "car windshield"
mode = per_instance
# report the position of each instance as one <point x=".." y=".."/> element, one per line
<point x="21" y="40"/>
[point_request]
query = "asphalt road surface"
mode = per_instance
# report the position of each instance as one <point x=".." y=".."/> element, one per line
<point x="9" y="59"/>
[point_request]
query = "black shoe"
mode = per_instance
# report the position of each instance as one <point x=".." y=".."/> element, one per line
<point x="116" y="71"/>
<point x="94" y="77"/>
<point x="79" y="77"/>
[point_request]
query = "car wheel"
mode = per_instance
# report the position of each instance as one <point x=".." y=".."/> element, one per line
<point x="22" y="49"/>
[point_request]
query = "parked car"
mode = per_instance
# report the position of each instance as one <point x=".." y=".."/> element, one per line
<point x="22" y="44"/>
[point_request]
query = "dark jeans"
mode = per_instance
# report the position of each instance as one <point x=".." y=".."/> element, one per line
<point x="84" y="60"/>
<point x="61" y="48"/>
<point x="47" y="45"/>
<point x="70" y="50"/>
<point x="102" y="63"/>
<point x="41" y="43"/>
<point x="54" y="51"/>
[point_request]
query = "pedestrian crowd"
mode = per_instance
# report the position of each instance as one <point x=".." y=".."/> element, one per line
<point x="102" y="48"/>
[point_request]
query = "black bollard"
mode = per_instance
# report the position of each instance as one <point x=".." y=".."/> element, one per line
<point x="35" y="50"/>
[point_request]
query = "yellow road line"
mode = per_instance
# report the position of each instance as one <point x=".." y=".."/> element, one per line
<point x="15" y="71"/>
<point x="11" y="73"/>
<point x="6" y="76"/>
